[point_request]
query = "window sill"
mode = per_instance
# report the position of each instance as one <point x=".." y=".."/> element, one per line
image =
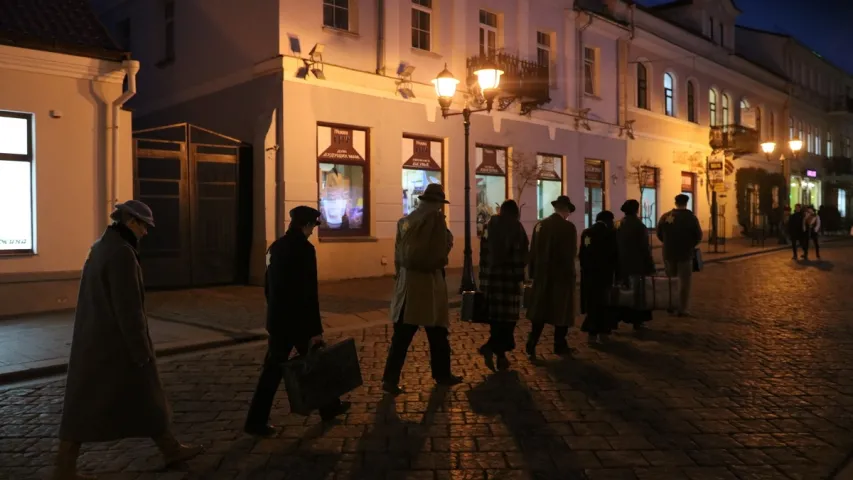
<point x="16" y="254"/>
<point x="592" y="96"/>
<point x="426" y="53"/>
<point x="348" y="239"/>
<point x="341" y="32"/>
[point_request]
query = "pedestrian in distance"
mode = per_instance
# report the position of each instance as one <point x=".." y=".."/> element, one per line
<point x="293" y="316"/>
<point x="796" y="231"/>
<point x="553" y="249"/>
<point x="599" y="259"/>
<point x="811" y="232"/>
<point x="635" y="259"/>
<point x="503" y="258"/>
<point x="680" y="233"/>
<point x="113" y="389"/>
<point x="421" y="249"/>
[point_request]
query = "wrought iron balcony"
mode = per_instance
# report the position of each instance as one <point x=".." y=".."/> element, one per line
<point x="841" y="104"/>
<point x="527" y="83"/>
<point x="838" y="165"/>
<point x="737" y="139"/>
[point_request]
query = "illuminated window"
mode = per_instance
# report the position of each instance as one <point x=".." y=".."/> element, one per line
<point x="344" y="181"/>
<point x="642" y="87"/>
<point x="712" y="107"/>
<point x="668" y="91"/>
<point x="422" y="24"/>
<point x="16" y="184"/>
<point x="488" y="33"/>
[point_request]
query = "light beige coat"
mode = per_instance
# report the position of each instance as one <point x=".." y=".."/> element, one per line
<point x="423" y="290"/>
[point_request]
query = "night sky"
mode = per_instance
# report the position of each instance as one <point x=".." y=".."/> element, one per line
<point x="824" y="25"/>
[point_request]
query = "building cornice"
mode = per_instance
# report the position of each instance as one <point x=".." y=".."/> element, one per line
<point x="70" y="66"/>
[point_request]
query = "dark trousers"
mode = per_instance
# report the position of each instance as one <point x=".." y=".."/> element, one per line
<point x="814" y="238"/>
<point x="501" y="337"/>
<point x="797" y="240"/>
<point x="271" y="375"/>
<point x="439" y="352"/>
<point x="560" y="334"/>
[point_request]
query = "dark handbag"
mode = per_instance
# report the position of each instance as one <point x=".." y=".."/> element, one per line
<point x="698" y="264"/>
<point x="481" y="309"/>
<point x="527" y="295"/>
<point x="321" y="376"/>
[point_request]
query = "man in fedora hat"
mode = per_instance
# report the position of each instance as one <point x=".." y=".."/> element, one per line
<point x="420" y="293"/>
<point x="553" y="249"/>
<point x="293" y="315"/>
<point x="113" y="389"/>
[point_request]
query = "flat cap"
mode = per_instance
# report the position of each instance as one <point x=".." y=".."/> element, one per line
<point x="305" y="215"/>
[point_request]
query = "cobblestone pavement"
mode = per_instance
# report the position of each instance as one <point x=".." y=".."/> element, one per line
<point x="758" y="386"/>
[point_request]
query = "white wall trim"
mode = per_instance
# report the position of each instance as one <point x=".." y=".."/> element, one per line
<point x="690" y="145"/>
<point x="662" y="116"/>
<point x="50" y="63"/>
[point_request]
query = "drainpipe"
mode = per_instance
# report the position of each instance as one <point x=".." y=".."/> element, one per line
<point x="131" y="68"/>
<point x="580" y="76"/>
<point x="380" y="37"/>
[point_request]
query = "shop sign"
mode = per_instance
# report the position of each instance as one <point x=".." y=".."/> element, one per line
<point x="811" y="173"/>
<point x="593" y="171"/>
<point x="491" y="161"/>
<point x="422" y="154"/>
<point x="717" y="172"/>
<point x="337" y="144"/>
<point x="649" y="177"/>
<point x="550" y="167"/>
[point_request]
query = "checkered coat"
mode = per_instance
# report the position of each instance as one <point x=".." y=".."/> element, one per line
<point x="501" y="284"/>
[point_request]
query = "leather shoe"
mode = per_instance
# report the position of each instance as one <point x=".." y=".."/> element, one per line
<point x="341" y="409"/>
<point x="261" y="431"/>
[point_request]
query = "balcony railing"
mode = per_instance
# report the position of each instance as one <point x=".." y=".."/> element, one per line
<point x="527" y="83"/>
<point x="841" y="104"/>
<point x="737" y="139"/>
<point x="838" y="166"/>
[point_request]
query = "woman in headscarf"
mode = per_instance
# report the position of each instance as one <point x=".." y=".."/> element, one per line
<point x="503" y="257"/>
<point x="599" y="260"/>
<point x="635" y="258"/>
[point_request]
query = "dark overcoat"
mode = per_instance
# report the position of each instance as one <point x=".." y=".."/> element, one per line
<point x="292" y="292"/>
<point x="501" y="280"/>
<point x="113" y="388"/>
<point x="552" y="268"/>
<point x="635" y="258"/>
<point x="599" y="260"/>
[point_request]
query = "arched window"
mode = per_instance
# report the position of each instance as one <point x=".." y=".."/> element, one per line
<point x="725" y="110"/>
<point x="712" y="107"/>
<point x="691" y="102"/>
<point x="790" y="128"/>
<point x="771" y="126"/>
<point x="668" y="95"/>
<point x="800" y="131"/>
<point x="642" y="87"/>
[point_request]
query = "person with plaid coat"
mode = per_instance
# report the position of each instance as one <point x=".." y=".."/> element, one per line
<point x="503" y="258"/>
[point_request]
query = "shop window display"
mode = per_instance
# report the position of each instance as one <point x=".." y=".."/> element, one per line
<point x="16" y="183"/>
<point x="593" y="192"/>
<point x="687" y="188"/>
<point x="343" y="180"/>
<point x="649" y="197"/>
<point x="491" y="183"/>
<point x="549" y="185"/>
<point x="422" y="164"/>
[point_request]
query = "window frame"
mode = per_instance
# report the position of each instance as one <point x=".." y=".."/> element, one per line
<point x="790" y="127"/>
<point x="691" y="102"/>
<point x="335" y="9"/>
<point x="829" y="146"/>
<point x="725" y="108"/>
<point x="669" y="95"/>
<point x="590" y="183"/>
<point x="486" y="28"/>
<point x="506" y="174"/>
<point x="713" y="118"/>
<point x="544" y="49"/>
<point x="656" y="180"/>
<point x="364" y="231"/>
<point x="29" y="158"/>
<point x="692" y="191"/>
<point x="642" y="86"/>
<point x="562" y="163"/>
<point x="422" y="10"/>
<point x="818" y="146"/>
<point x="441" y="171"/>
<point x="593" y="70"/>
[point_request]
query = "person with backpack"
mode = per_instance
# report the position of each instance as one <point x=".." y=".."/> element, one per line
<point x="680" y="232"/>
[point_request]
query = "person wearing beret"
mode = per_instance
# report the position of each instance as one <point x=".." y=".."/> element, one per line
<point x="113" y="389"/>
<point x="293" y="315"/>
<point x="553" y="249"/>
<point x="635" y="258"/>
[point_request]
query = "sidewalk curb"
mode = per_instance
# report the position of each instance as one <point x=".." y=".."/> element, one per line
<point x="61" y="366"/>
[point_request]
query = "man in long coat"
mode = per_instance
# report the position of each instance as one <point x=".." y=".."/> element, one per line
<point x="293" y="315"/>
<point x="420" y="293"/>
<point x="113" y="389"/>
<point x="599" y="257"/>
<point x="680" y="233"/>
<point x="552" y="269"/>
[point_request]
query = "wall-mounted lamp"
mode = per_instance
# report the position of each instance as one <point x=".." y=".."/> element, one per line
<point x="404" y="80"/>
<point x="627" y="129"/>
<point x="768" y="148"/>
<point x="313" y="64"/>
<point x="582" y="119"/>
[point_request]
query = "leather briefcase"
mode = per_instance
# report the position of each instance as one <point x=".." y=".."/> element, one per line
<point x="648" y="293"/>
<point x="322" y="376"/>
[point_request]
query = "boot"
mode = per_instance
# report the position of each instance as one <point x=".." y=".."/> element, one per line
<point x="66" y="462"/>
<point x="175" y="452"/>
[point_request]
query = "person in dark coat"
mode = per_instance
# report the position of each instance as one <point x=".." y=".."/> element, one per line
<point x="635" y="258"/>
<point x="113" y="389"/>
<point x="293" y="315"/>
<point x="680" y="232"/>
<point x="599" y="259"/>
<point x="796" y="231"/>
<point x="503" y="257"/>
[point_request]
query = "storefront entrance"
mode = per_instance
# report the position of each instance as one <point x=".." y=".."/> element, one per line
<point x="806" y="190"/>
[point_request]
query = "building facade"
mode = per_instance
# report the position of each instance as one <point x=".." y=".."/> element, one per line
<point x="64" y="150"/>
<point x="338" y="102"/>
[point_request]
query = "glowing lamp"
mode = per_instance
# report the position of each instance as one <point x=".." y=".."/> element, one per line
<point x="795" y="145"/>
<point x="768" y="147"/>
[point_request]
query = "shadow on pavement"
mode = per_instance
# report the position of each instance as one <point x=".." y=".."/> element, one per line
<point x="543" y="451"/>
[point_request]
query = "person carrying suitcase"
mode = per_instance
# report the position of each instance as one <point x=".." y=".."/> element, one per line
<point x="293" y="315"/>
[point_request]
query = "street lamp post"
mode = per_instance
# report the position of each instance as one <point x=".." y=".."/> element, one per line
<point x="488" y="78"/>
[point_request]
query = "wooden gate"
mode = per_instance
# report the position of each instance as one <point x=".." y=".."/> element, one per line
<point x="190" y="177"/>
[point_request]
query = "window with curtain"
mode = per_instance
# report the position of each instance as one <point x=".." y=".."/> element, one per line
<point x="691" y="102"/>
<point x="725" y="110"/>
<point x="712" y="107"/>
<point x="642" y="87"/>
<point x="668" y="90"/>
